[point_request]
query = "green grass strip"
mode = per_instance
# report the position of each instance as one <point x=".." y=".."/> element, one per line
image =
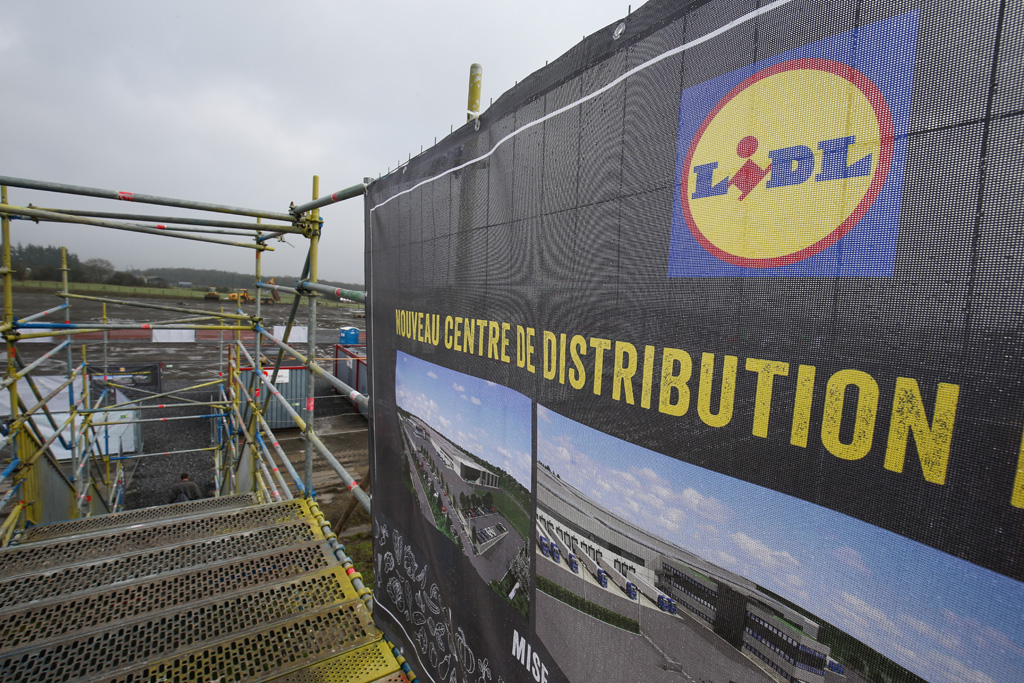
<point x="576" y="602"/>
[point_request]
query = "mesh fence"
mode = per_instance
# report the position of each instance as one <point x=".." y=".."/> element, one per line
<point x="730" y="287"/>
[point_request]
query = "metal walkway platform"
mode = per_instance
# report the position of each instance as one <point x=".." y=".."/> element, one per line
<point x="215" y="590"/>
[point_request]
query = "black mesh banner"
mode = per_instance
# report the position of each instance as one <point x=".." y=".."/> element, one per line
<point x="698" y="356"/>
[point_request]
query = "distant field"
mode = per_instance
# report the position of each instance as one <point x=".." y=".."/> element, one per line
<point x="513" y="513"/>
<point x="93" y="288"/>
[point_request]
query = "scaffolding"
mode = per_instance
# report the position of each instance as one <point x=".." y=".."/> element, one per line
<point x="247" y="455"/>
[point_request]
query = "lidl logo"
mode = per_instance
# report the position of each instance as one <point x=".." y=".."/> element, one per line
<point x="794" y="166"/>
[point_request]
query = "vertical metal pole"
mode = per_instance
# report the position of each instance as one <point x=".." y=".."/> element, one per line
<point x="257" y="366"/>
<point x="73" y="436"/>
<point x="106" y="378"/>
<point x="12" y="368"/>
<point x="86" y="449"/>
<point x="236" y="371"/>
<point x="314" y="244"/>
<point x="220" y="336"/>
<point x="21" y="443"/>
<point x="476" y="77"/>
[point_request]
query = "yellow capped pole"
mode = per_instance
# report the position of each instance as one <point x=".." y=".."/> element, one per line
<point x="476" y="78"/>
<point x="19" y="437"/>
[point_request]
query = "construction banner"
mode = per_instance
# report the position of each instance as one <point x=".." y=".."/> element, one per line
<point x="698" y="357"/>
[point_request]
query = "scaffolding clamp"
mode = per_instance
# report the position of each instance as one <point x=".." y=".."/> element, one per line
<point x="310" y="227"/>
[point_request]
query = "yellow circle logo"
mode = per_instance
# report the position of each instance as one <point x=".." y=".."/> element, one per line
<point x="787" y="163"/>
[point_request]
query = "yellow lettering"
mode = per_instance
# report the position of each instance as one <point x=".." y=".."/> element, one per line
<point x="725" y="398"/>
<point x="802" y="406"/>
<point x="520" y="346"/>
<point x="530" y="334"/>
<point x="1017" y="496"/>
<point x="398" y="323"/>
<point x="625" y="368"/>
<point x="600" y="345"/>
<point x="932" y="441"/>
<point x="448" y="341"/>
<point x="766" y="371"/>
<point x="550" y="361"/>
<point x="645" y="391"/>
<point x="492" y="340"/>
<point x="561" y="358"/>
<point x="577" y="348"/>
<point x="672" y="380"/>
<point x="481" y="328"/>
<point x="458" y="334"/>
<point x="469" y="336"/>
<point x="505" y="327"/>
<point x="864" y="422"/>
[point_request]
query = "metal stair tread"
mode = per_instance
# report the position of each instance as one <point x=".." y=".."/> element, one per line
<point x="110" y="570"/>
<point x="145" y="638"/>
<point x="60" y="616"/>
<point x="74" y="527"/>
<point x="50" y="554"/>
<point x="373" y="663"/>
<point x="265" y="654"/>
<point x="233" y="512"/>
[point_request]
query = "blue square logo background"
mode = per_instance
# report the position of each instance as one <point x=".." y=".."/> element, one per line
<point x="884" y="52"/>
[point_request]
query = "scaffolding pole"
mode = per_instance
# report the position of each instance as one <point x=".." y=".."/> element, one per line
<point x="358" y="398"/>
<point x="312" y="438"/>
<point x="163" y="220"/>
<point x="314" y="251"/>
<point x="137" y="198"/>
<point x="338" y="292"/>
<point x="141" y="304"/>
<point x="333" y="198"/>
<point x="52" y="217"/>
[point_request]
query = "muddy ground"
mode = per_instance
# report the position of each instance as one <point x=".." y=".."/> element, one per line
<point x="337" y="423"/>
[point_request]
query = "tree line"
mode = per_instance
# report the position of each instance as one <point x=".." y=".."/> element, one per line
<point x="35" y="262"/>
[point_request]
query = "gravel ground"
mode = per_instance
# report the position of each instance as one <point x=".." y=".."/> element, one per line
<point x="151" y="478"/>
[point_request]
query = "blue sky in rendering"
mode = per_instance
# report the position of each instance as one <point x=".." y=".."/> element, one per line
<point x="490" y="421"/>
<point x="941" y="617"/>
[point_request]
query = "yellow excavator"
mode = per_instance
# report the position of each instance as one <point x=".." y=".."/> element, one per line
<point x="242" y="296"/>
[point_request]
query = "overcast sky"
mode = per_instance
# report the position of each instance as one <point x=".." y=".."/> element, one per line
<point x="241" y="103"/>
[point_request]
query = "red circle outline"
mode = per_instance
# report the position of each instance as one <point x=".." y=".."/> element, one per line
<point x="885" y="129"/>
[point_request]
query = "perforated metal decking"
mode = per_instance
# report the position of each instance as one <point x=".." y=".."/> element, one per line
<point x="223" y="589"/>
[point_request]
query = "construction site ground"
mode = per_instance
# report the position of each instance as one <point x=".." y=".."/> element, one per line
<point x="338" y="424"/>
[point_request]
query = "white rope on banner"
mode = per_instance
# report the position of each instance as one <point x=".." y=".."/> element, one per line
<point x="586" y="98"/>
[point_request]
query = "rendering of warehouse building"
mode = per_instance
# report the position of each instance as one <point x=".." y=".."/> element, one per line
<point x="782" y="641"/>
<point x="469" y="471"/>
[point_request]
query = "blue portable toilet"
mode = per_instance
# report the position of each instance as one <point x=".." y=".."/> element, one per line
<point x="348" y="335"/>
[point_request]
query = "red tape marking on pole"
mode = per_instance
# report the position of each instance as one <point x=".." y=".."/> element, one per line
<point x="309" y="404"/>
<point x="126" y="196"/>
<point x="352" y="485"/>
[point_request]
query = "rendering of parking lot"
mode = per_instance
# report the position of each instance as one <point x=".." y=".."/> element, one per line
<point x="676" y="566"/>
<point x="467" y="449"/>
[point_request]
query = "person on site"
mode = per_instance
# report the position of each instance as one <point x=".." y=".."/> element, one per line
<point x="185" y="490"/>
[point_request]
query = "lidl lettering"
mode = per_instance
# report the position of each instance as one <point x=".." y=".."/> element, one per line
<point x="792" y="165"/>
